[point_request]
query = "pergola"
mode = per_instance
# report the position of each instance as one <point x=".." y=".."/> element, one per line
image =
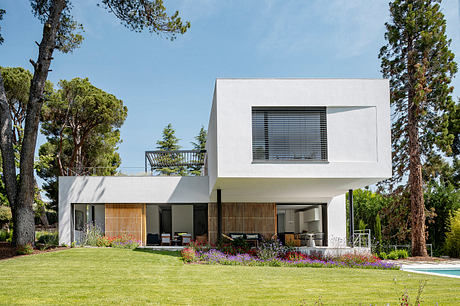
<point x="155" y="160"/>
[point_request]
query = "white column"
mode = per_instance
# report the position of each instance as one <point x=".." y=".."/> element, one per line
<point x="337" y="222"/>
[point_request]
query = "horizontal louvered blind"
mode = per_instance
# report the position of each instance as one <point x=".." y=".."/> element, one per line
<point x="291" y="133"/>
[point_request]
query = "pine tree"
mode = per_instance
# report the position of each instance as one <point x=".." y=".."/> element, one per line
<point x="419" y="65"/>
<point x="170" y="142"/>
<point x="199" y="145"/>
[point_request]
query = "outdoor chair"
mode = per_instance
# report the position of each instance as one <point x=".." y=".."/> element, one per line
<point x="186" y="238"/>
<point x="165" y="239"/>
<point x="153" y="239"/>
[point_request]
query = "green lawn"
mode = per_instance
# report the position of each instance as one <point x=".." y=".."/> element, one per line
<point x="115" y="276"/>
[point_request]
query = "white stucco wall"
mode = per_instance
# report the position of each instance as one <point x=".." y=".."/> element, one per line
<point x="358" y="128"/>
<point x="125" y="189"/>
<point x="337" y="221"/>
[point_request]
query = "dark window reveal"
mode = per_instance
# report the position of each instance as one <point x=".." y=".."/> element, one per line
<point x="290" y="133"/>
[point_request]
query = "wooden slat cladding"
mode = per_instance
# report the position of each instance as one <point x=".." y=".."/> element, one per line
<point x="243" y="218"/>
<point x="126" y="219"/>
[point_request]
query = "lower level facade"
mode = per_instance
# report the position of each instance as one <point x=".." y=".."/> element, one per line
<point x="145" y="206"/>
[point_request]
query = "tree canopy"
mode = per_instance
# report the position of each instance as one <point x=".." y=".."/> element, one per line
<point x="61" y="32"/>
<point x="81" y="123"/>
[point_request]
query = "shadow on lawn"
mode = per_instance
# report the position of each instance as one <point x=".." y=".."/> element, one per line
<point x="166" y="253"/>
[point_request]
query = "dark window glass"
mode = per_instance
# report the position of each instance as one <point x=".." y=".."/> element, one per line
<point x="289" y="134"/>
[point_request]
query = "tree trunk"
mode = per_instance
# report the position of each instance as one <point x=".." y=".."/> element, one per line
<point x="415" y="185"/>
<point x="23" y="219"/>
<point x="6" y="145"/>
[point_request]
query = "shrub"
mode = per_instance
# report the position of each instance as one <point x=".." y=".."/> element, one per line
<point x="393" y="255"/>
<point x="49" y="239"/>
<point x="92" y="234"/>
<point x="383" y="255"/>
<point x="402" y="254"/>
<point x="452" y="244"/>
<point x="188" y="255"/>
<point x="25" y="250"/>
<point x="199" y="246"/>
<point x="271" y="249"/>
<point x="5" y="235"/>
<point x="5" y="215"/>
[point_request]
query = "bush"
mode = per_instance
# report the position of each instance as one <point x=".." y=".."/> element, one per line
<point x="188" y="255"/>
<point x="46" y="239"/>
<point x="5" y="215"/>
<point x="383" y="255"/>
<point x="452" y="244"/>
<point x="5" y="235"/>
<point x="25" y="250"/>
<point x="271" y="249"/>
<point x="93" y="234"/>
<point x="402" y="254"/>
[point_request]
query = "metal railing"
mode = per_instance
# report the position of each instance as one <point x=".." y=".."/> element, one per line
<point x="362" y="239"/>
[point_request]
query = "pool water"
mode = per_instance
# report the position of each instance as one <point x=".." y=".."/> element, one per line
<point x="453" y="272"/>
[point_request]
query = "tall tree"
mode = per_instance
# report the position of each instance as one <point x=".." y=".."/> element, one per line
<point x="60" y="31"/>
<point x="81" y="123"/>
<point x="17" y="86"/>
<point x="419" y="64"/>
<point x="169" y="142"/>
<point x="199" y="145"/>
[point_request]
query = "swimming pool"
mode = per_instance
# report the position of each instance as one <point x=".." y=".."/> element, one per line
<point x="444" y="271"/>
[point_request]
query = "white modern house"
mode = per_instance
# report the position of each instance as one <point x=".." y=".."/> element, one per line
<point x="280" y="156"/>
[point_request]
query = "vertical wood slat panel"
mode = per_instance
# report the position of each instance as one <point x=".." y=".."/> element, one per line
<point x="126" y="219"/>
<point x="243" y="218"/>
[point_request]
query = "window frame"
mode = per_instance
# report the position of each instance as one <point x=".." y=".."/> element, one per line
<point x="323" y="133"/>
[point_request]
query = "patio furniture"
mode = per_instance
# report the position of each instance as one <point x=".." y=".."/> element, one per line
<point x="186" y="238"/>
<point x="165" y="239"/>
<point x="311" y="241"/>
<point x="153" y="239"/>
<point x="253" y="239"/>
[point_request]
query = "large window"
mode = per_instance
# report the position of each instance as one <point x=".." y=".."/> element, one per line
<point x="289" y="133"/>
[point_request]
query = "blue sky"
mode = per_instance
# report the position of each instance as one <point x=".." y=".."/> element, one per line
<point x="165" y="82"/>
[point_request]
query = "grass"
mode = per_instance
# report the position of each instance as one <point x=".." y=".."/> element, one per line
<point x="119" y="276"/>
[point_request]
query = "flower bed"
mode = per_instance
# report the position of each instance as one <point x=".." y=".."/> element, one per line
<point x="272" y="253"/>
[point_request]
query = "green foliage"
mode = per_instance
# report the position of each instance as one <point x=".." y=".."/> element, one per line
<point x="361" y="225"/>
<point x="150" y="15"/>
<point x="48" y="239"/>
<point x="81" y="123"/>
<point x="419" y="64"/>
<point x="452" y="245"/>
<point x="2" y="12"/>
<point x="92" y="235"/>
<point x="378" y="232"/>
<point x="199" y="145"/>
<point x="443" y="201"/>
<point x="25" y="249"/>
<point x="397" y="254"/>
<point x="6" y="235"/>
<point x="367" y="205"/>
<point x="169" y="142"/>
<point x="383" y="255"/>
<point x="5" y="215"/>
